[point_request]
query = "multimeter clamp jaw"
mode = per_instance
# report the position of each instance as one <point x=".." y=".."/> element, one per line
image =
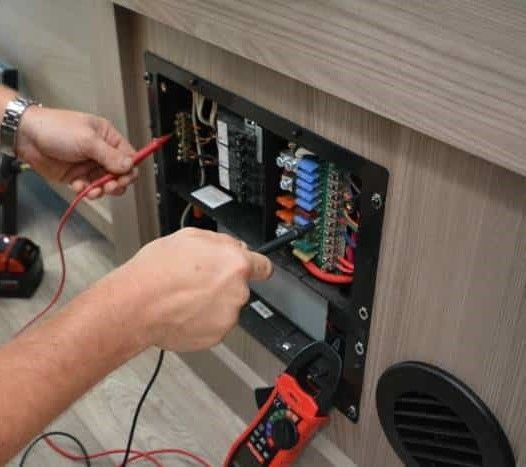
<point x="291" y="412"/>
<point x="318" y="364"/>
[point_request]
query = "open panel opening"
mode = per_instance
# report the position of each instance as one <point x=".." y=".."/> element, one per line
<point x="236" y="167"/>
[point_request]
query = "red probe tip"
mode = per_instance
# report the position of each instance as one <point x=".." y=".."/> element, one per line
<point x="163" y="139"/>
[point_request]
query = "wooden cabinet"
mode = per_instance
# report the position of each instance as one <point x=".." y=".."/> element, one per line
<point x="451" y="277"/>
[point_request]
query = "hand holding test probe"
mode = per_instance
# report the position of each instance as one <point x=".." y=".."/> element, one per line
<point x="181" y="321"/>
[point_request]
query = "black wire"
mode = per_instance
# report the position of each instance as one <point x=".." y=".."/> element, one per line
<point x="139" y="407"/>
<point x="54" y="433"/>
<point x="132" y="429"/>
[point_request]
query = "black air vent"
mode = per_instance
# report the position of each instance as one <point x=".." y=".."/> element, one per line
<point x="433" y="434"/>
<point x="432" y="420"/>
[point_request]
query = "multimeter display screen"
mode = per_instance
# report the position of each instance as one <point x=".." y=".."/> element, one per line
<point x="244" y="458"/>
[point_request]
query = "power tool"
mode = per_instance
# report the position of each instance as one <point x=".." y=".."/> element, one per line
<point x="21" y="267"/>
<point x="291" y="412"/>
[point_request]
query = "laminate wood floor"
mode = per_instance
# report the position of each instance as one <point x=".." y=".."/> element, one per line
<point x="181" y="411"/>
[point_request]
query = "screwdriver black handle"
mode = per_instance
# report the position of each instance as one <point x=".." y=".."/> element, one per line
<point x="293" y="234"/>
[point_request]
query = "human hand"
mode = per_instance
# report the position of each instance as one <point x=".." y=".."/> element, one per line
<point x="75" y="148"/>
<point x="188" y="288"/>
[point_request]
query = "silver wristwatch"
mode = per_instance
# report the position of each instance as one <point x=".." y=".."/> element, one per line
<point x="10" y="124"/>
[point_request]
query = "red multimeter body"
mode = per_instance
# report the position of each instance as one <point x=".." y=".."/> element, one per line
<point x="293" y="412"/>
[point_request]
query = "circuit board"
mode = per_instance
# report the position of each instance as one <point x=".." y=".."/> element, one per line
<point x="314" y="190"/>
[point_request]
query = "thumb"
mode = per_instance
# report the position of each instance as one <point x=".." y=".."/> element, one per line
<point x="113" y="160"/>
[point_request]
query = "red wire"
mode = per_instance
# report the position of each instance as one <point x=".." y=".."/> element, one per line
<point x="75" y="457"/>
<point x="346" y="263"/>
<point x="137" y="454"/>
<point x="327" y="276"/>
<point x="139" y="156"/>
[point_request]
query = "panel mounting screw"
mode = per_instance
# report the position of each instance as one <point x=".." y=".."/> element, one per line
<point x="363" y="313"/>
<point x="158" y="198"/>
<point x="351" y="412"/>
<point x="193" y="82"/>
<point x="164" y="88"/>
<point x="286" y="346"/>
<point x="376" y="201"/>
<point x="147" y="77"/>
<point x="359" y="348"/>
<point x="296" y="133"/>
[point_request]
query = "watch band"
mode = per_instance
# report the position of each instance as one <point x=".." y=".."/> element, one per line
<point x="10" y="124"/>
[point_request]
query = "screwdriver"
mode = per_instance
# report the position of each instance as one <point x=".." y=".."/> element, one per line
<point x="293" y="234"/>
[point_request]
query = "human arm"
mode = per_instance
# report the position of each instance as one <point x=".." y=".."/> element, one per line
<point x="72" y="147"/>
<point x="182" y="293"/>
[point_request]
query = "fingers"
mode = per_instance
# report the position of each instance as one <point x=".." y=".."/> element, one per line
<point x="113" y="160"/>
<point x="118" y="186"/>
<point x="95" y="193"/>
<point x="217" y="237"/>
<point x="114" y="187"/>
<point x="260" y="266"/>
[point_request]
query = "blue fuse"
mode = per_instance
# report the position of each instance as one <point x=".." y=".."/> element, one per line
<point x="299" y="220"/>
<point x="304" y="185"/>
<point x="308" y="165"/>
<point x="308" y="177"/>
<point x="307" y="195"/>
<point x="306" y="205"/>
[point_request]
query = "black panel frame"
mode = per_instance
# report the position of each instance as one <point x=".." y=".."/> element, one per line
<point x="355" y="320"/>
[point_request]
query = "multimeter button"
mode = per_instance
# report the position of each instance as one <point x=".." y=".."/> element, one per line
<point x="285" y="434"/>
<point x="261" y="427"/>
<point x="266" y="455"/>
<point x="255" y="453"/>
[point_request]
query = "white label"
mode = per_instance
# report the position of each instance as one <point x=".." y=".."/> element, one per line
<point x="224" y="178"/>
<point x="262" y="310"/>
<point x="222" y="132"/>
<point x="211" y="196"/>
<point x="222" y="154"/>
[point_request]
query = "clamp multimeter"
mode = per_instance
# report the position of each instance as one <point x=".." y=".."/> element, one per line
<point x="291" y="412"/>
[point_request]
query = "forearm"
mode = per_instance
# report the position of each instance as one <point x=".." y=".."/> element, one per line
<point x="50" y="366"/>
<point x="6" y="95"/>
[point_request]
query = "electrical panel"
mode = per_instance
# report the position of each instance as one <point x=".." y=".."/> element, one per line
<point x="238" y="168"/>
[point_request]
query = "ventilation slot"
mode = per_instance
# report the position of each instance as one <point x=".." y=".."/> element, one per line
<point x="433" y="434"/>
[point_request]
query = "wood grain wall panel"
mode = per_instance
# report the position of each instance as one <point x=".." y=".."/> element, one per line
<point x="451" y="279"/>
<point x="109" y="94"/>
<point x="454" y="70"/>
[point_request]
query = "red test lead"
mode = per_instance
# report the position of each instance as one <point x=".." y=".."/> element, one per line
<point x="138" y="157"/>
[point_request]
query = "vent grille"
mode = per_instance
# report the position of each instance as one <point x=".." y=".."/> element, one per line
<point x="432" y="419"/>
<point x="433" y="434"/>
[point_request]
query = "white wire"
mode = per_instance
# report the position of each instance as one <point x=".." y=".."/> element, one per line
<point x="202" y="176"/>
<point x="200" y="103"/>
<point x="213" y="115"/>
